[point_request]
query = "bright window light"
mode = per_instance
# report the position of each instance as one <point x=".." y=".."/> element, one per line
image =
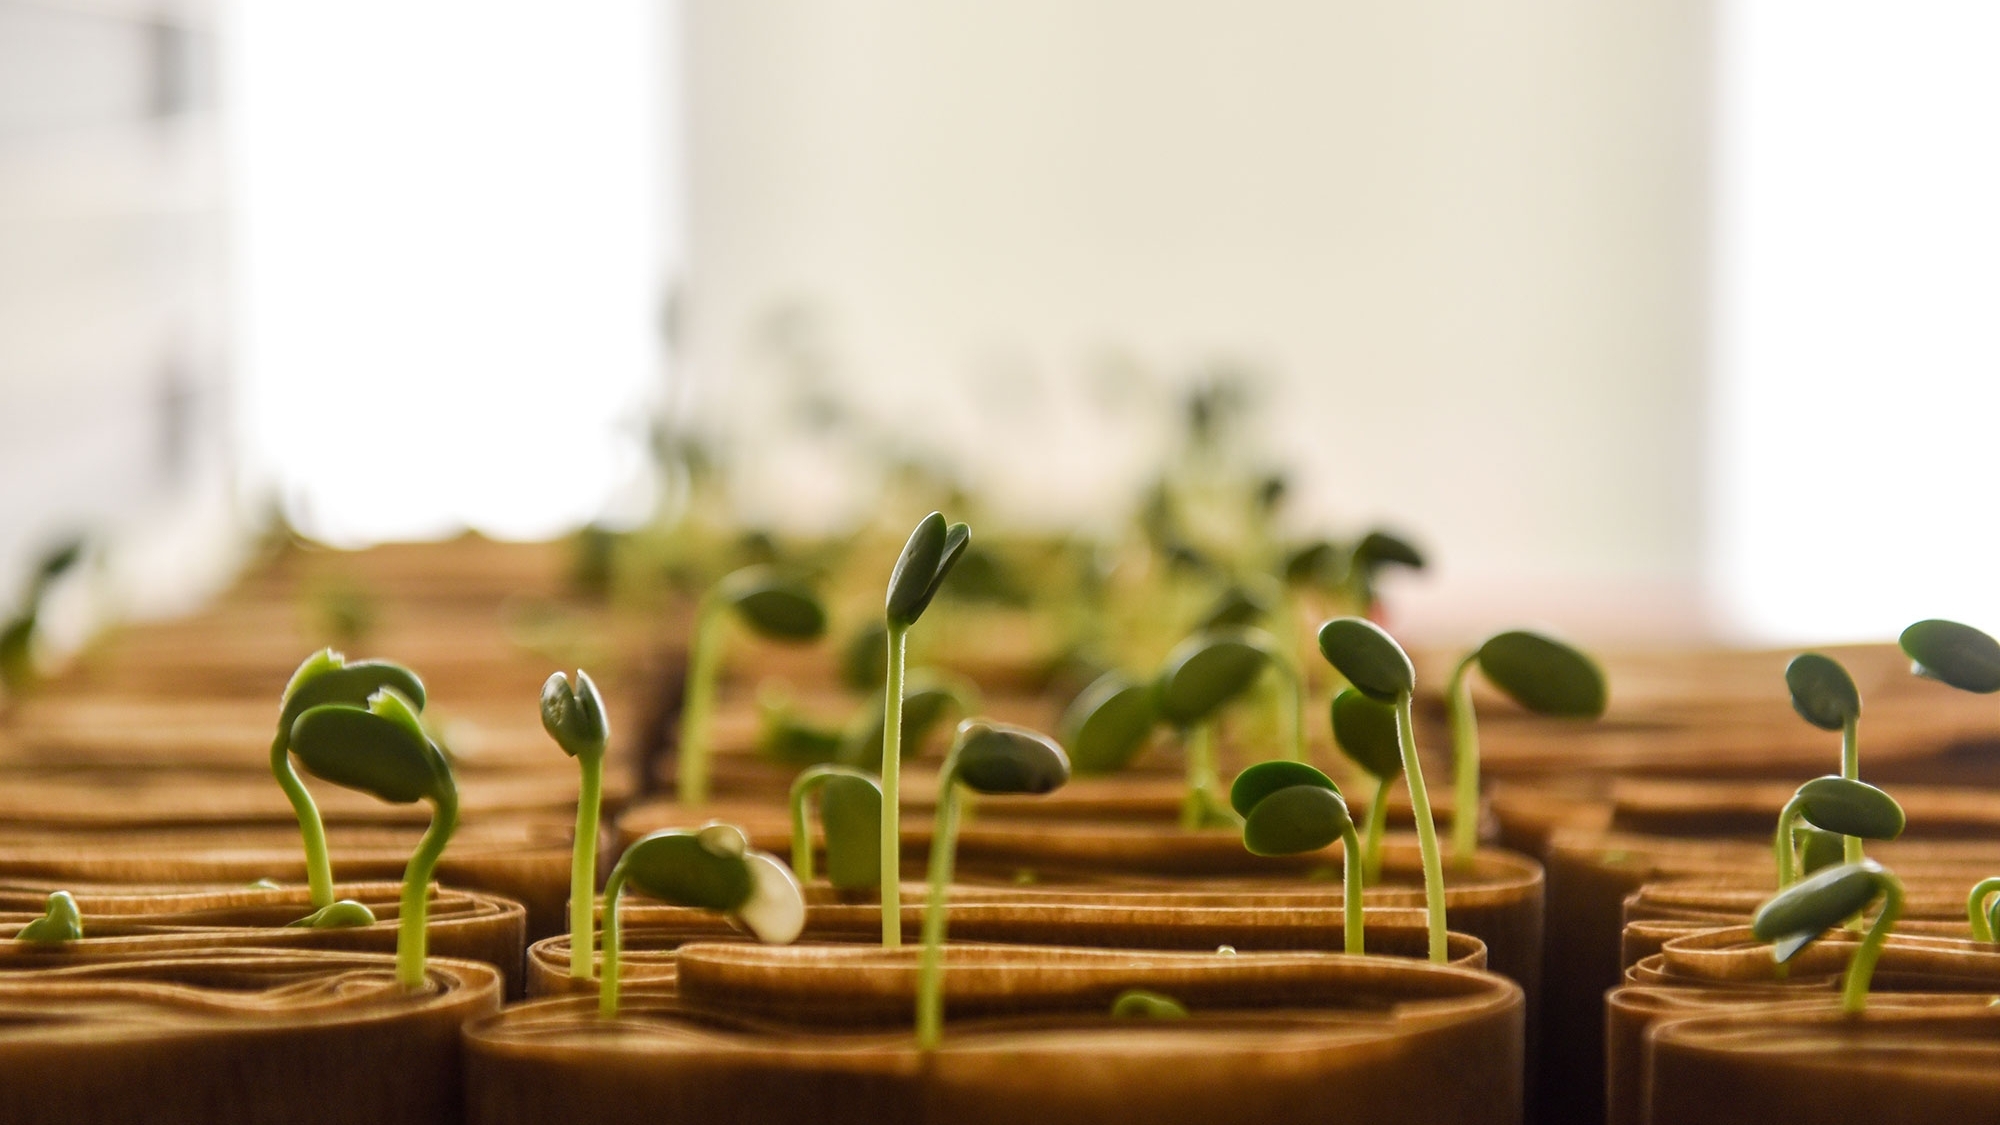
<point x="1858" y="363"/>
<point x="447" y="265"/>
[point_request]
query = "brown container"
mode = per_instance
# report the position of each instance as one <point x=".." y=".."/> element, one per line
<point x="1275" y="1037"/>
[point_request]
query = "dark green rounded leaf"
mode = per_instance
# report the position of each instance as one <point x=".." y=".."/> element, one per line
<point x="774" y="606"/>
<point x="574" y="717"/>
<point x="1266" y="778"/>
<point x="325" y="677"/>
<point x="1206" y="671"/>
<point x="1543" y="674"/>
<point x="1819" y="849"/>
<point x="850" y="813"/>
<point x="1235" y="607"/>
<point x="1850" y="808"/>
<point x="1369" y="657"/>
<point x="1822" y="692"/>
<point x="1303" y="818"/>
<point x="998" y="758"/>
<point x="687" y="868"/>
<point x="1109" y="723"/>
<point x="381" y="751"/>
<point x="1139" y="1003"/>
<point x="1801" y="912"/>
<point x="1365" y="731"/>
<point x="1379" y="547"/>
<point x="1959" y="655"/>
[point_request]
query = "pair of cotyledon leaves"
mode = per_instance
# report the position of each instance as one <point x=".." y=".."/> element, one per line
<point x="356" y="725"/>
<point x="1796" y="916"/>
<point x="714" y="868"/>
<point x="929" y="554"/>
<point x="574" y="716"/>
<point x="1111" y="720"/>
<point x="1288" y="808"/>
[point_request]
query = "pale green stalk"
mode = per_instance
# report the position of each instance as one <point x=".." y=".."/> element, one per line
<point x="412" y="936"/>
<point x="892" y="762"/>
<point x="1378" y="821"/>
<point x="1464" y="764"/>
<point x="583" y="868"/>
<point x="312" y="830"/>
<point x="944" y="842"/>
<point x="1352" y="907"/>
<point x="1861" y="970"/>
<point x="698" y="701"/>
<point x="1427" y="841"/>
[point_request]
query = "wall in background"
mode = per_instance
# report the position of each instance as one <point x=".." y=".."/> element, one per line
<point x="1467" y="241"/>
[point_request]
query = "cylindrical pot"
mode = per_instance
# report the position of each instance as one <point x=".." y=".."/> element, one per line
<point x="460" y="924"/>
<point x="243" y="1036"/>
<point x="821" y="1034"/>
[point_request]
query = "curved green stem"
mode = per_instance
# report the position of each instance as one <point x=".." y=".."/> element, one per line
<point x="1975" y="909"/>
<point x="412" y="936"/>
<point x="319" y="865"/>
<point x="1464" y="764"/>
<point x="1781" y="846"/>
<point x="697" y="701"/>
<point x="1427" y="840"/>
<point x="1351" y="890"/>
<point x="583" y="867"/>
<point x="944" y="843"/>
<point x="1861" y="970"/>
<point x="607" y="988"/>
<point x="892" y="768"/>
<point x="1850" y="768"/>
<point x="803" y="787"/>
<point x="1378" y="822"/>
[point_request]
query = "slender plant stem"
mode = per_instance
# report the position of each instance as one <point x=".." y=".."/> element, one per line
<point x="1975" y="909"/>
<point x="892" y="763"/>
<point x="1427" y="837"/>
<point x="807" y="783"/>
<point x="607" y="988"/>
<point x="1351" y="890"/>
<point x="1781" y="846"/>
<point x="1464" y="764"/>
<point x="319" y="866"/>
<point x="1378" y="821"/>
<point x="697" y="701"/>
<point x="944" y="842"/>
<point x="1861" y="970"/>
<point x="412" y="934"/>
<point x="583" y="867"/>
<point x="1198" y="752"/>
<point x="1850" y="768"/>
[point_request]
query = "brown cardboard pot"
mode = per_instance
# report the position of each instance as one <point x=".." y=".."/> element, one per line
<point x="1660" y="912"/>
<point x="652" y="934"/>
<point x="150" y="920"/>
<point x="243" y="1036"/>
<point x="821" y="1034"/>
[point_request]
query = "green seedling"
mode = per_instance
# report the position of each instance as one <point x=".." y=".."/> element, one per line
<point x="1375" y="551"/>
<point x="327" y="679"/>
<point x="769" y="605"/>
<point x="933" y="549"/>
<point x="1289" y="808"/>
<point x="985" y="758"/>
<point x="1824" y="695"/>
<point x="1109" y="722"/>
<point x="1537" y="671"/>
<point x="711" y="868"/>
<point x="574" y="716"/>
<point x="1797" y="915"/>
<point x="850" y="816"/>
<point x="63" y="922"/>
<point x="335" y="915"/>
<point x="1854" y="810"/>
<point x="17" y="639"/>
<point x="1365" y="731"/>
<point x="1955" y="654"/>
<point x="382" y="750"/>
<point x="1204" y="673"/>
<point x="1379" y="668"/>
<point x="1985" y="919"/>
<point x="1145" y="1004"/>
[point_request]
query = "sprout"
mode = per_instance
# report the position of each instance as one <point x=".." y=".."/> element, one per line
<point x="1537" y="671"/>
<point x="1202" y="674"/>
<point x="1379" y="668"/>
<point x="933" y="548"/>
<point x="1824" y="695"/>
<point x="63" y="922"/>
<point x="1289" y="808"/>
<point x="383" y="750"/>
<point x="326" y="678"/>
<point x="1145" y="1004"/>
<point x="1959" y="655"/>
<point x="1109" y="722"/>
<point x="1800" y="913"/>
<point x="574" y="717"/>
<point x="1851" y="809"/>
<point x="1985" y="921"/>
<point x="850" y="814"/>
<point x="713" y="868"/>
<point x="986" y="758"/>
<point x="342" y="912"/>
<point x="1365" y="730"/>
<point x="771" y="606"/>
<point x="1376" y="550"/>
<point x="17" y="638"/>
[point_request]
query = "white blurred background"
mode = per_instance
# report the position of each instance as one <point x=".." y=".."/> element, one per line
<point x="1657" y="320"/>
